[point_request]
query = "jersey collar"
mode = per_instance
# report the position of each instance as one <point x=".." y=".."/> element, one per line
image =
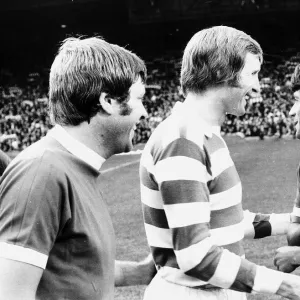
<point x="184" y="113"/>
<point x="76" y="148"/>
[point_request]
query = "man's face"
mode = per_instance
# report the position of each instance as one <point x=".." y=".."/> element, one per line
<point x="295" y="112"/>
<point x="248" y="84"/>
<point x="129" y="116"/>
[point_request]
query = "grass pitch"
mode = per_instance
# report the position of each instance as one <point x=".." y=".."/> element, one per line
<point x="268" y="173"/>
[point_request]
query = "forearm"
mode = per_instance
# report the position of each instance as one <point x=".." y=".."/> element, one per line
<point x="134" y="273"/>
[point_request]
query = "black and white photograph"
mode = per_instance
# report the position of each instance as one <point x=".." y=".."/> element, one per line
<point x="149" y="149"/>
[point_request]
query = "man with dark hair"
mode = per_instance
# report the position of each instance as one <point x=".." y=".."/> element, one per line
<point x="190" y="189"/>
<point x="56" y="236"/>
<point x="287" y="258"/>
<point x="4" y="161"/>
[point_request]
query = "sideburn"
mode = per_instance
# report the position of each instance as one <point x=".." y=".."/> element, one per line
<point x="125" y="109"/>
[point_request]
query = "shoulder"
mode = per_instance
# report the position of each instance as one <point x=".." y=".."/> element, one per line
<point x="175" y="137"/>
<point x="39" y="162"/>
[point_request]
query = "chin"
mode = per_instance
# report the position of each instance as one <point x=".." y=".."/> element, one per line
<point x="239" y="113"/>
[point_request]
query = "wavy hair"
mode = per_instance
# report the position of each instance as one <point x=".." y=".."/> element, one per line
<point x="85" y="68"/>
<point x="215" y="56"/>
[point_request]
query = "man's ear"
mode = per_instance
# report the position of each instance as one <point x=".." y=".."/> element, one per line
<point x="106" y="103"/>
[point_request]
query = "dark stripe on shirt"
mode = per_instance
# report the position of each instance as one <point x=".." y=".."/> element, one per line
<point x="207" y="267"/>
<point x="226" y="217"/>
<point x="147" y="179"/>
<point x="155" y="217"/>
<point x="186" y="236"/>
<point x="226" y="180"/>
<point x="164" y="257"/>
<point x="295" y="219"/>
<point x="181" y="147"/>
<point x="184" y="191"/>
<point x="214" y="144"/>
<point x="245" y="277"/>
<point x="236" y="248"/>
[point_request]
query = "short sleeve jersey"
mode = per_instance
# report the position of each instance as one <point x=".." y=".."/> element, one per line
<point x="53" y="216"/>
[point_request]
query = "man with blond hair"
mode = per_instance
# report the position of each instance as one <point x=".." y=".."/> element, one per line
<point x="190" y="189"/>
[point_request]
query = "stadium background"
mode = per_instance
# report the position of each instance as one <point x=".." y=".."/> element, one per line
<point x="155" y="29"/>
<point x="158" y="30"/>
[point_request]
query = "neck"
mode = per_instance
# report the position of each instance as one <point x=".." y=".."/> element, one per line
<point x="208" y="106"/>
<point x="91" y="136"/>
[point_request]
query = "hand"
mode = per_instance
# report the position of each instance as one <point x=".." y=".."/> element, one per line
<point x="287" y="259"/>
<point x="290" y="287"/>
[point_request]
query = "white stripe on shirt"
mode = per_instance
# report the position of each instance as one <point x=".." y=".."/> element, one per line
<point x="191" y="256"/>
<point x="179" y="277"/>
<point x="180" y="168"/>
<point x="185" y="214"/>
<point x="151" y="198"/>
<point x="147" y="162"/>
<point x="26" y="255"/>
<point x="279" y="223"/>
<point x="158" y="237"/>
<point x="227" y="235"/>
<point x="227" y="270"/>
<point x="296" y="211"/>
<point x="267" y="280"/>
<point x="228" y="198"/>
<point x="220" y="161"/>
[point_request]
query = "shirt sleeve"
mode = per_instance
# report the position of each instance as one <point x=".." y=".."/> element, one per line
<point x="257" y="225"/>
<point x="183" y="175"/>
<point x="32" y="210"/>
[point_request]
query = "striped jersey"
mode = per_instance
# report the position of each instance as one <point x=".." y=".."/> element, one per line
<point x="192" y="205"/>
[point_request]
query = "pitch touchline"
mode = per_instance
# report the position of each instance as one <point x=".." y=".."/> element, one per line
<point x="120" y="166"/>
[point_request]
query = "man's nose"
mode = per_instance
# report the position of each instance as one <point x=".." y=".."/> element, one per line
<point x="144" y="112"/>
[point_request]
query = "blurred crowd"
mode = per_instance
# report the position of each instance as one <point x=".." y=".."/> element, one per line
<point x="23" y="114"/>
<point x="24" y="118"/>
